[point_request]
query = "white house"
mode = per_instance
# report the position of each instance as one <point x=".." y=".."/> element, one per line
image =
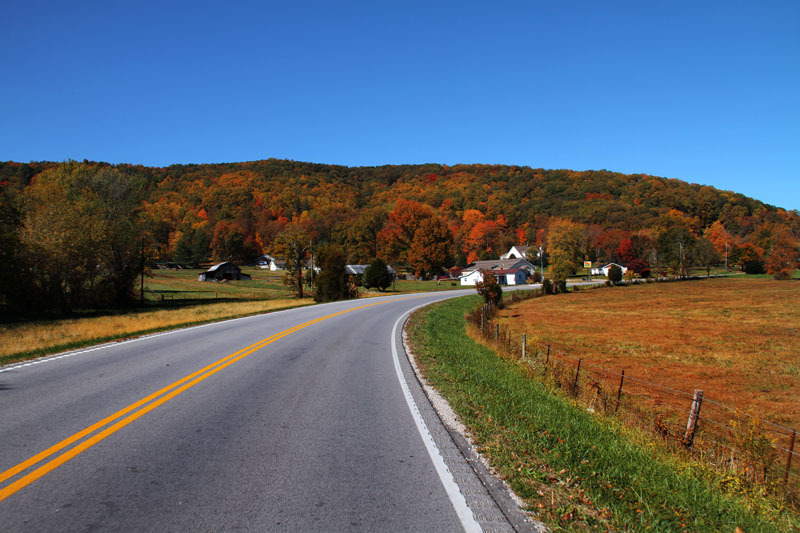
<point x="264" y="261"/>
<point x="516" y="252"/>
<point x="277" y="264"/>
<point x="511" y="276"/>
<point x="603" y="271"/>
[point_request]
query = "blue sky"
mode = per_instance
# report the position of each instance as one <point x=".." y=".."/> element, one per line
<point x="707" y="92"/>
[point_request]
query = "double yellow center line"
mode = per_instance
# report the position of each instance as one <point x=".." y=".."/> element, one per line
<point x="136" y="410"/>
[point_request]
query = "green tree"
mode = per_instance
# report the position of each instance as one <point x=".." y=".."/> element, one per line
<point x="565" y="248"/>
<point x="614" y="274"/>
<point x="377" y="275"/>
<point x="81" y="231"/>
<point x="14" y="293"/>
<point x="332" y="284"/>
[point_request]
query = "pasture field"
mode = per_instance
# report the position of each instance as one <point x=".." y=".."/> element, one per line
<point x="737" y="339"/>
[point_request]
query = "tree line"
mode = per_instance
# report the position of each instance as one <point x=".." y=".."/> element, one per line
<point x="74" y="233"/>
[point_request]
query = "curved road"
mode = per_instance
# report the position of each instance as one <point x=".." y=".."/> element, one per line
<point x="301" y="420"/>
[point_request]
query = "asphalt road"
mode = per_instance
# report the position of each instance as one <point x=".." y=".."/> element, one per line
<point x="302" y="420"/>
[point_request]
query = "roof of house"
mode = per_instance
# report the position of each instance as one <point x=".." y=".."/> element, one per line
<point x="507" y="271"/>
<point x="360" y="269"/>
<point x="219" y="265"/>
<point x="498" y="264"/>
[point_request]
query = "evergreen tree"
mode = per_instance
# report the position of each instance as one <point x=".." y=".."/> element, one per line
<point x="377" y="275"/>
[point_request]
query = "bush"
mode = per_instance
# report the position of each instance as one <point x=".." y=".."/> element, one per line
<point x="377" y="275"/>
<point x="640" y="267"/>
<point x="547" y="286"/>
<point x="614" y="274"/>
<point x="536" y="277"/>
<point x="332" y="282"/>
<point x="491" y="291"/>
<point x="754" y="266"/>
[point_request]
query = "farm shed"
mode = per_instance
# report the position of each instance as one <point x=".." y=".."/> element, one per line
<point x="223" y="271"/>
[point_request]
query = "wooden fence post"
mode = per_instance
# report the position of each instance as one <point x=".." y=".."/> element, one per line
<point x="619" y="391"/>
<point x="577" y="373"/>
<point x="694" y="415"/>
<point x="524" y="345"/>
<point x="547" y="360"/>
<point x="789" y="459"/>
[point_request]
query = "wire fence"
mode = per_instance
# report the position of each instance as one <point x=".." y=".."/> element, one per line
<point x="730" y="439"/>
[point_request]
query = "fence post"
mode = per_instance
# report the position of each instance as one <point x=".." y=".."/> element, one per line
<point x="483" y="319"/>
<point x="547" y="360"/>
<point x="577" y="373"/>
<point x="524" y="344"/>
<point x="497" y="331"/>
<point x="619" y="391"/>
<point x="694" y="415"/>
<point x="789" y="460"/>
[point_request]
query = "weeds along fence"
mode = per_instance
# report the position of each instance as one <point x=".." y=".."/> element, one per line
<point x="750" y="449"/>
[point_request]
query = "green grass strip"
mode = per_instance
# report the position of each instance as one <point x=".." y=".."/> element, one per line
<point x="534" y="437"/>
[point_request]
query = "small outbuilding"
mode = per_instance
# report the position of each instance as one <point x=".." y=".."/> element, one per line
<point x="223" y="271"/>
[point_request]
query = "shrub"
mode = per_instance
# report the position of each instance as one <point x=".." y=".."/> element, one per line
<point x="754" y="266"/>
<point x="614" y="274"/>
<point x="377" y="275"/>
<point x="332" y="282"/>
<point x="536" y="277"/>
<point x="491" y="291"/>
<point x="547" y="286"/>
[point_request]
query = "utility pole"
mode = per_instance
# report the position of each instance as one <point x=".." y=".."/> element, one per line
<point x="141" y="283"/>
<point x="311" y="252"/>
<point x="541" y="260"/>
<point x="726" y="256"/>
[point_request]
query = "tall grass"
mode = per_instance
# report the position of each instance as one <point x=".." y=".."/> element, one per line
<point x="574" y="470"/>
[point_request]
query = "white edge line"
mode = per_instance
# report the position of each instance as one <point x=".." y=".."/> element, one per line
<point x="103" y="346"/>
<point x="463" y="511"/>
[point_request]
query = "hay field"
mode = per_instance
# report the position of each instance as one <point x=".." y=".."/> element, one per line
<point x="737" y="339"/>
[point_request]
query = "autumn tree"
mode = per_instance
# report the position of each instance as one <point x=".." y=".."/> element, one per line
<point x="489" y="289"/>
<point x="430" y="247"/>
<point x="294" y="242"/>
<point x="362" y="235"/>
<point x="782" y="258"/>
<point x="396" y="238"/>
<point x="565" y="248"/>
<point x="81" y="232"/>
<point x="705" y="254"/>
<point x="625" y="251"/>
<point x="232" y="243"/>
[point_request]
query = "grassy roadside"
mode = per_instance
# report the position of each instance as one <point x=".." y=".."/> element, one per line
<point x="575" y="471"/>
<point x="27" y="340"/>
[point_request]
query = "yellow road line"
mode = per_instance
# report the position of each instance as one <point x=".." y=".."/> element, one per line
<point x="176" y="388"/>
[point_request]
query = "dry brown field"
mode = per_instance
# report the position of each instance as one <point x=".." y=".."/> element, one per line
<point x="736" y="339"/>
<point x="55" y="334"/>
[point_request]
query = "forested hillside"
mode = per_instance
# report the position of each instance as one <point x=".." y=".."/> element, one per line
<point x="425" y="217"/>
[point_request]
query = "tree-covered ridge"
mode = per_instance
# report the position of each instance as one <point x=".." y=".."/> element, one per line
<point x="191" y="213"/>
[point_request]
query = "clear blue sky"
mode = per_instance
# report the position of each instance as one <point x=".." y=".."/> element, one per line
<point x="707" y="92"/>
